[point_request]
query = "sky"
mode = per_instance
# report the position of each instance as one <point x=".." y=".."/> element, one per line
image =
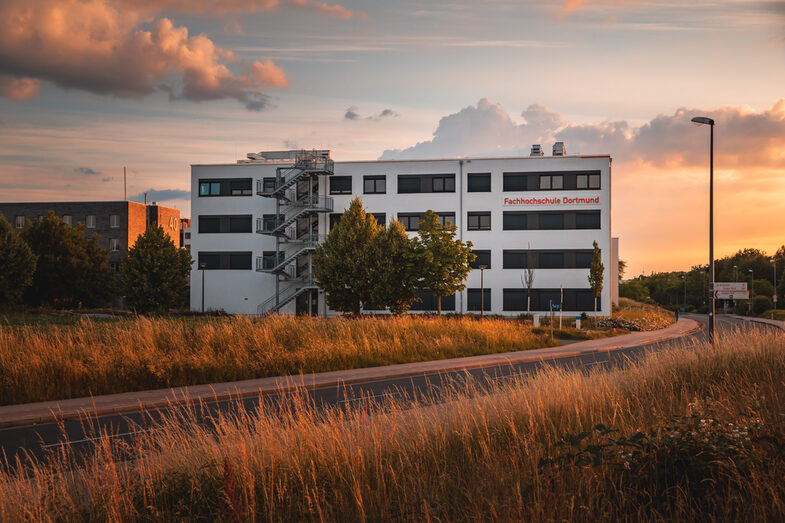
<point x="90" y="86"/>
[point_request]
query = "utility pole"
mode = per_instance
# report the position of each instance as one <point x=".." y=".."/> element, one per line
<point x="774" y="314"/>
<point x="203" y="266"/>
<point x="702" y="120"/>
<point x="125" y="186"/>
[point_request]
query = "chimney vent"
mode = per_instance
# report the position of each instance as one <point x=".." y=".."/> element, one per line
<point x="559" y="149"/>
<point x="536" y="150"/>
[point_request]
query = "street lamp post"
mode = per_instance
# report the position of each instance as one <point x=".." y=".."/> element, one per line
<point x="482" y="290"/>
<point x="702" y="120"/>
<point x="752" y="290"/>
<point x="202" y="266"/>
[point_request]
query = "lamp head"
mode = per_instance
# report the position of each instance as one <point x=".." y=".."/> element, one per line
<point x="702" y="120"/>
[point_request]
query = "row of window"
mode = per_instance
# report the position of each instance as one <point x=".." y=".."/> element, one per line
<point x="422" y="183"/>
<point x="536" y="259"/>
<point x="114" y="221"/>
<point x="477" y="182"/>
<point x="513" y="300"/>
<point x="240" y="260"/>
<point x="475" y="221"/>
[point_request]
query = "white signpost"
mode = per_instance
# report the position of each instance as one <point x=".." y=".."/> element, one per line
<point x="730" y="291"/>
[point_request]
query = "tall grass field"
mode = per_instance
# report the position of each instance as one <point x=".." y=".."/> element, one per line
<point x="47" y="362"/>
<point x="693" y="434"/>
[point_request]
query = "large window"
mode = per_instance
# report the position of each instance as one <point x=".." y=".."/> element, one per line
<point x="542" y="299"/>
<point x="225" y="260"/>
<point x="381" y="218"/>
<point x="446" y="218"/>
<point x="552" y="220"/>
<point x="411" y="221"/>
<point x="114" y="244"/>
<point x="340" y="185"/>
<point x="479" y="182"/>
<point x="551" y="260"/>
<point x="334" y="219"/>
<point x="514" y="221"/>
<point x="235" y="223"/>
<point x="587" y="181"/>
<point x="268" y="184"/>
<point x="551" y="181"/>
<point x="482" y="257"/>
<point x="19" y="222"/>
<point x="429" y="302"/>
<point x="114" y="221"/>
<point x="226" y="187"/>
<point x="422" y="183"/>
<point x="475" y="301"/>
<point x="67" y="219"/>
<point x="514" y="182"/>
<point x="546" y="259"/>
<point x="271" y="221"/>
<point x="90" y="221"/>
<point x="479" y="221"/>
<point x="374" y="184"/>
<point x="587" y="220"/>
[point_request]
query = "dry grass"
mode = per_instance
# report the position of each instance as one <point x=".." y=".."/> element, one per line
<point x="636" y="316"/>
<point x="55" y="362"/>
<point x="476" y="457"/>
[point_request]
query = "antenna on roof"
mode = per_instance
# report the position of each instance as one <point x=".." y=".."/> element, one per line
<point x="125" y="187"/>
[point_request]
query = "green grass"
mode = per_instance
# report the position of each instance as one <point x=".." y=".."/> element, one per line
<point x="685" y="435"/>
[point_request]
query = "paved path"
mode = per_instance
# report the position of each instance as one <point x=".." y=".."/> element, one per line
<point x="48" y="411"/>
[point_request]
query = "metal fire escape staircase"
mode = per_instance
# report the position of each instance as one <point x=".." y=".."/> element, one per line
<point x="294" y="227"/>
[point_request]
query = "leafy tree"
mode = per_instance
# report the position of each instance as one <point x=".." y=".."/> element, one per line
<point x="17" y="262"/>
<point x="155" y="273"/>
<point x="71" y="267"/>
<point x="634" y="290"/>
<point x="396" y="269"/>
<point x="528" y="278"/>
<point x="622" y="268"/>
<point x="596" y="275"/>
<point x="343" y="264"/>
<point x="446" y="259"/>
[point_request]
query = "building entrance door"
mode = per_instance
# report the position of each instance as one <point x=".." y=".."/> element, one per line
<point x="302" y="303"/>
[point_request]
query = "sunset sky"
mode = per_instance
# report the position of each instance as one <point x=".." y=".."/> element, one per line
<point x="90" y="86"/>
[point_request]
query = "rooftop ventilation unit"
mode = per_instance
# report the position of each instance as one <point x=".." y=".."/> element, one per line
<point x="559" y="149"/>
<point x="536" y="150"/>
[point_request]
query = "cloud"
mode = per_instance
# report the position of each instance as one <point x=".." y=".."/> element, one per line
<point x="95" y="46"/>
<point x="107" y="179"/>
<point x="86" y="170"/>
<point x="351" y="113"/>
<point x="213" y="7"/>
<point x="572" y="5"/>
<point x="744" y="137"/>
<point x="161" y="195"/>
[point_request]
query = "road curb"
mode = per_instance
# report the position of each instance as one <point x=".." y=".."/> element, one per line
<point x="128" y="402"/>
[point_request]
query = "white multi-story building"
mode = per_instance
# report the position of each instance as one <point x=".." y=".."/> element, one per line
<point x="256" y="223"/>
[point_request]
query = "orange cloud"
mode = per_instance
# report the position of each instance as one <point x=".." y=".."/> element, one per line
<point x="94" y="46"/>
<point x="19" y="89"/>
<point x="221" y="7"/>
<point x="572" y="5"/>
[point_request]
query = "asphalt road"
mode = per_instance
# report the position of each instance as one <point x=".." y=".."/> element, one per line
<point x="42" y="439"/>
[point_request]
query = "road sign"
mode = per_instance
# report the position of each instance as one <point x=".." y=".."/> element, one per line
<point x="731" y="286"/>
<point x="774" y="297"/>
<point x="731" y="295"/>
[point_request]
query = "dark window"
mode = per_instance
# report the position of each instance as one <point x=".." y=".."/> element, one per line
<point x="582" y="181"/>
<point x="513" y="299"/>
<point x="552" y="221"/>
<point x="479" y="221"/>
<point x="429" y="302"/>
<point x="474" y="299"/>
<point x="340" y="185"/>
<point x="409" y="184"/>
<point x="513" y="259"/>
<point x="209" y="224"/>
<point x="446" y="218"/>
<point x="240" y="187"/>
<point x="240" y="223"/>
<point x="381" y="218"/>
<point x="225" y="223"/>
<point x="548" y="298"/>
<point x="587" y="220"/>
<point x="514" y="182"/>
<point x="411" y="221"/>
<point x="225" y="260"/>
<point x="226" y="187"/>
<point x="374" y="184"/>
<point x="551" y="260"/>
<point x="481" y="258"/>
<point x="334" y="219"/>
<point x="268" y="184"/>
<point x="583" y="259"/>
<point x="479" y="182"/>
<point x="514" y="221"/>
<point x="445" y="183"/>
<point x="270" y="222"/>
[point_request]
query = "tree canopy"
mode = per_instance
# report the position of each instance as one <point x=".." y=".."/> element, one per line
<point x="596" y="274"/>
<point x="18" y="265"/>
<point x="154" y="275"/>
<point x="71" y="269"/>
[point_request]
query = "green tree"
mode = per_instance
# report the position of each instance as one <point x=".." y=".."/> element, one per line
<point x="634" y="290"/>
<point x="154" y="275"/>
<point x="18" y="265"/>
<point x="71" y="267"/>
<point x="343" y="263"/>
<point x="596" y="274"/>
<point x="622" y="268"/>
<point x="396" y="269"/>
<point x="445" y="264"/>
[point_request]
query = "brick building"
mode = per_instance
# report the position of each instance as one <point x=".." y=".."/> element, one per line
<point x="118" y="224"/>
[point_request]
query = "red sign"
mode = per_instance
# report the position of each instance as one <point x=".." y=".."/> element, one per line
<point x="556" y="200"/>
